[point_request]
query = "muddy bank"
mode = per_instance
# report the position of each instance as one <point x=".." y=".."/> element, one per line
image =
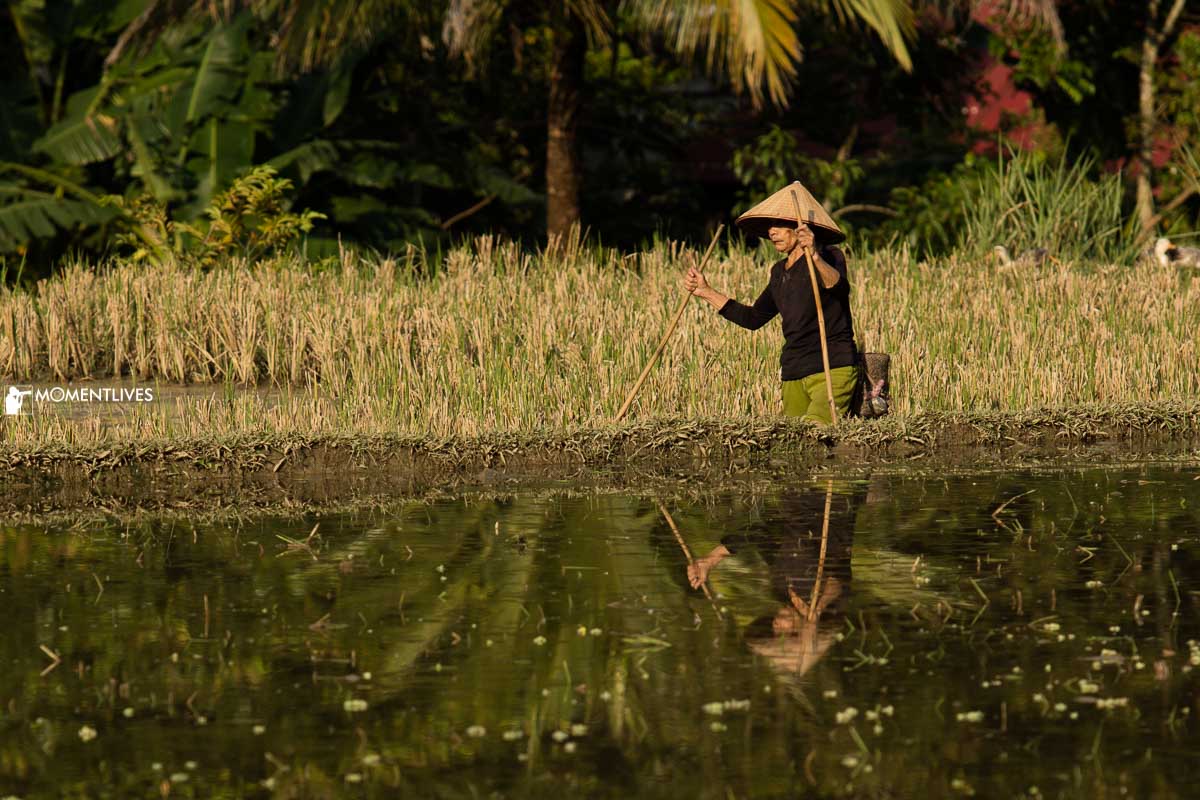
<point x="254" y="473"/>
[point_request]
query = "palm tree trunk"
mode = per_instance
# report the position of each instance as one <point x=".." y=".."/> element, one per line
<point x="563" y="170"/>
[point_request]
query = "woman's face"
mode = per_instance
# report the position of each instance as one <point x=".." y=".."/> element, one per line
<point x="784" y="238"/>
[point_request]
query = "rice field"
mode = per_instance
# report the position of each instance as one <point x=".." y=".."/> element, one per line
<point x="492" y="337"/>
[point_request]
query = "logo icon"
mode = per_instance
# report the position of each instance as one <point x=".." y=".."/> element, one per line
<point x="14" y="401"/>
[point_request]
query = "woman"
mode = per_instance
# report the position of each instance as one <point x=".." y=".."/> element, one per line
<point x="789" y="293"/>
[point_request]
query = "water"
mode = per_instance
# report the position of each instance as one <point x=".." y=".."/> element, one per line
<point x="548" y="642"/>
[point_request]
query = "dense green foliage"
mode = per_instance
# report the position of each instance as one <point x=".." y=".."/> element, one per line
<point x="394" y="138"/>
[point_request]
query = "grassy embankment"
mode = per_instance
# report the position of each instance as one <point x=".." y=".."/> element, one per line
<point x="503" y="348"/>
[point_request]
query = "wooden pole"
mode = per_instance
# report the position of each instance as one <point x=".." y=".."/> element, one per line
<point x="670" y="329"/>
<point x="812" y="273"/>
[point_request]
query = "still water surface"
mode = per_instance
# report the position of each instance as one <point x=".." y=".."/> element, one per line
<point x="962" y="633"/>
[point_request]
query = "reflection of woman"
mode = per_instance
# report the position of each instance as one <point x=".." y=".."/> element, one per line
<point x="806" y="548"/>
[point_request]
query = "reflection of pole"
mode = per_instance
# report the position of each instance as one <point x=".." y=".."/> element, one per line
<point x="812" y="607"/>
<point x="686" y="552"/>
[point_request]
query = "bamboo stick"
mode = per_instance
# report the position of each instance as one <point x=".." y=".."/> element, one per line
<point x="812" y="273"/>
<point x="670" y="329"/>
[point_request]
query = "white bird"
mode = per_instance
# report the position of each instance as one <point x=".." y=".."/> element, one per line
<point x="1030" y="258"/>
<point x="1174" y="255"/>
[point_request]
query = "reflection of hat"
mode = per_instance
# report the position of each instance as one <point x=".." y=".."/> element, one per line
<point x="791" y="655"/>
<point x="778" y="209"/>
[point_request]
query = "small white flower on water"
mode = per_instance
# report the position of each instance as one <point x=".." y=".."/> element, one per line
<point x="889" y="710"/>
<point x="715" y="708"/>
<point x="716" y="726"/>
<point x="545" y="692"/>
<point x="1051" y="627"/>
<point x="128" y="712"/>
<point x="354" y="777"/>
<point x="1093" y="584"/>
<point x="539" y="640"/>
<point x="476" y="731"/>
<point x="371" y="760"/>
<point x="366" y="676"/>
<point x="512" y="735"/>
<point x="87" y="733"/>
<point x="1048" y="668"/>
<point x="569" y="747"/>
<point x="559" y="736"/>
<point x="488" y="643"/>
<point x="190" y="766"/>
<point x="1114" y="628"/>
<point x="846" y="715"/>
<point x="850" y="762"/>
<point x="581" y="630"/>
<point x="156" y="766"/>
<point x="970" y="716"/>
<point x="606" y="695"/>
<point x="878" y="729"/>
<point x="522" y="757"/>
<point x="268" y="784"/>
<point x="829" y="694"/>
<point x="1060" y="707"/>
<point x="440" y="568"/>
<point x="1074" y="715"/>
<point x="871" y="715"/>
<point x="1088" y="687"/>
<point x="259" y="730"/>
<point x="595" y="631"/>
<point x="579" y="729"/>
<point x="1112" y="702"/>
<point x="179" y="777"/>
<point x="201" y="720"/>
<point x="355" y="704"/>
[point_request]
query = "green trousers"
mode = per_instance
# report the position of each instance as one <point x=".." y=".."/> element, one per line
<point x="808" y="398"/>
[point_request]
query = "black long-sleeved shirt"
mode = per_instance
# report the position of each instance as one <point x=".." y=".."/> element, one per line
<point x="789" y="294"/>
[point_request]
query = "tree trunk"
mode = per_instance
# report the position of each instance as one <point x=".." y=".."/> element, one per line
<point x="563" y="170"/>
<point x="1152" y="44"/>
<point x="1146" y="120"/>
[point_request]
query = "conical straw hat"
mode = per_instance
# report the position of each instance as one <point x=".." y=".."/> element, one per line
<point x="778" y="209"/>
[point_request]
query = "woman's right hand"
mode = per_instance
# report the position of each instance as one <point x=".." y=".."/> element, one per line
<point x="694" y="281"/>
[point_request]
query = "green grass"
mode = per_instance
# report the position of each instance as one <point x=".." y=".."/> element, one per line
<point x="501" y="340"/>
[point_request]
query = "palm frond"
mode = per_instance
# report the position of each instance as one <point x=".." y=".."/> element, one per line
<point x="892" y="20"/>
<point x="1036" y="12"/>
<point x="469" y="28"/>
<point x="752" y="42"/>
<point x="315" y="33"/>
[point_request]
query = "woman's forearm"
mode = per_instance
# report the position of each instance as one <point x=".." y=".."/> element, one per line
<point x="713" y="297"/>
